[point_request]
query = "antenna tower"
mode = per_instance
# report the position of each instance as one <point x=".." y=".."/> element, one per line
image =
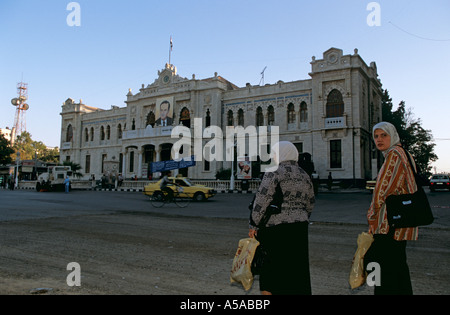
<point x="20" y="123"/>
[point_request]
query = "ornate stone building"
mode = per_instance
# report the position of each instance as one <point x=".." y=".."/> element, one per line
<point x="329" y="116"/>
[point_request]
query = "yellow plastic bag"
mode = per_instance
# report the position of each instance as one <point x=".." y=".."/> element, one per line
<point x="357" y="273"/>
<point x="242" y="262"/>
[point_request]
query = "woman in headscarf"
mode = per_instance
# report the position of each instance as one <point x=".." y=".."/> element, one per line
<point x="389" y="246"/>
<point x="285" y="236"/>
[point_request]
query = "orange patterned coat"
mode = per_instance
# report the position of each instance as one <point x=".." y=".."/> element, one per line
<point x="395" y="178"/>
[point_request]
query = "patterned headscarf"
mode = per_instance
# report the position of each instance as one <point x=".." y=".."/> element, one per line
<point x="390" y="130"/>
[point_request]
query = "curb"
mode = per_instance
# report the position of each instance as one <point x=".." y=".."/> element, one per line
<point x="141" y="190"/>
<point x="321" y="191"/>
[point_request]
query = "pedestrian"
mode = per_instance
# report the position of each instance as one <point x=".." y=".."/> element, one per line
<point x="389" y="246"/>
<point x="93" y="182"/>
<point x="109" y="181"/>
<point x="120" y="179"/>
<point x="316" y="182"/>
<point x="11" y="182"/>
<point x="164" y="185"/>
<point x="285" y="236"/>
<point x="67" y="184"/>
<point x="329" y="181"/>
<point x="104" y="181"/>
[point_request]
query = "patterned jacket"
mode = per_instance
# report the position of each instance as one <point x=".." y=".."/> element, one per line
<point x="298" y="195"/>
<point x="394" y="177"/>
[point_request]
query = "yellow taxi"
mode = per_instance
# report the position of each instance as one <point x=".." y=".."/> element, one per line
<point x="196" y="192"/>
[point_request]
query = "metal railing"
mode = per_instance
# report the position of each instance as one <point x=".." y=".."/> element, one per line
<point x="138" y="185"/>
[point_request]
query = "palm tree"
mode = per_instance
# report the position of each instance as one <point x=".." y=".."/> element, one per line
<point x="74" y="167"/>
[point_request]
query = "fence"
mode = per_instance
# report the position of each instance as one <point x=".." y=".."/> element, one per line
<point x="138" y="185"/>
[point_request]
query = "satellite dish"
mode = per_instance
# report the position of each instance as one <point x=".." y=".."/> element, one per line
<point x="22" y="98"/>
<point x="25" y="106"/>
<point x="15" y="101"/>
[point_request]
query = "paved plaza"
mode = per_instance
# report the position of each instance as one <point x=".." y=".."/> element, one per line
<point x="125" y="246"/>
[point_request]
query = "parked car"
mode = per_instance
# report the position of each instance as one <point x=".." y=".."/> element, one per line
<point x="440" y="181"/>
<point x="196" y="192"/>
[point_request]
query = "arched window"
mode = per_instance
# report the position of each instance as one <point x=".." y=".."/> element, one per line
<point x="270" y="115"/>
<point x="230" y="119"/>
<point x="150" y="119"/>
<point x="291" y="114"/>
<point x="185" y="117"/>
<point x="259" y="117"/>
<point x="108" y="132"/>
<point x="86" y="135"/>
<point x="119" y="131"/>
<point x="92" y="133"/>
<point x="335" y="104"/>
<point x="102" y="133"/>
<point x="69" y="134"/>
<point x="303" y="112"/>
<point x="241" y="117"/>
<point x="208" y="119"/>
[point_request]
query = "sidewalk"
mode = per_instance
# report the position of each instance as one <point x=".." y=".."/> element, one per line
<point x="341" y="190"/>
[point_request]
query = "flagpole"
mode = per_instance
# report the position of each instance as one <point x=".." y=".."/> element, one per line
<point x="170" y="49"/>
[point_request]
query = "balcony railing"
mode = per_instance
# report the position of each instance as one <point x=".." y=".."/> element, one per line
<point x="147" y="132"/>
<point x="334" y="122"/>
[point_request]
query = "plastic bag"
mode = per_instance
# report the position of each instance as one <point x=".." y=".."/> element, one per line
<point x="241" y="269"/>
<point x="357" y="273"/>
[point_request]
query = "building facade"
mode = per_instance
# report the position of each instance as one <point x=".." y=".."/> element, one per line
<point x="329" y="116"/>
<point x="9" y="134"/>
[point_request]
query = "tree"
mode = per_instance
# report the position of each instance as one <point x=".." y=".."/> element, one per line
<point x="24" y="145"/>
<point x="414" y="138"/>
<point x="5" y="151"/>
<point x="46" y="154"/>
<point x="223" y="174"/>
<point x="74" y="167"/>
<point x="29" y="149"/>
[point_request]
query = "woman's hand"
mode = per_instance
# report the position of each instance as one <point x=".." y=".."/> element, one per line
<point x="252" y="233"/>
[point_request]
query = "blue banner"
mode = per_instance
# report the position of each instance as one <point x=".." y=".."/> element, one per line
<point x="163" y="166"/>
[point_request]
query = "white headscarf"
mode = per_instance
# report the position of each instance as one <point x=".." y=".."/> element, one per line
<point x="390" y="130"/>
<point x="280" y="152"/>
<point x="284" y="151"/>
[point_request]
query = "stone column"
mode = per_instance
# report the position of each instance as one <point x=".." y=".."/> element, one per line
<point x="158" y="156"/>
<point x="124" y="163"/>
<point x="140" y="162"/>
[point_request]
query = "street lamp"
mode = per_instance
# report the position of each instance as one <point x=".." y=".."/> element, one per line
<point x="35" y="168"/>
<point x="17" y="170"/>
<point x="232" y="183"/>
<point x="232" y="176"/>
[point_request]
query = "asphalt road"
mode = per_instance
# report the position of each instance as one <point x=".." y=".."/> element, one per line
<point x="339" y="207"/>
<point x="125" y="246"/>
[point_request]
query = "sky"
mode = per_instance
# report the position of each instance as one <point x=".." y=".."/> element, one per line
<point x="121" y="44"/>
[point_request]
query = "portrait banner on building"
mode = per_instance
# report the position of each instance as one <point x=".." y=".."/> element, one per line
<point x="164" y="111"/>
